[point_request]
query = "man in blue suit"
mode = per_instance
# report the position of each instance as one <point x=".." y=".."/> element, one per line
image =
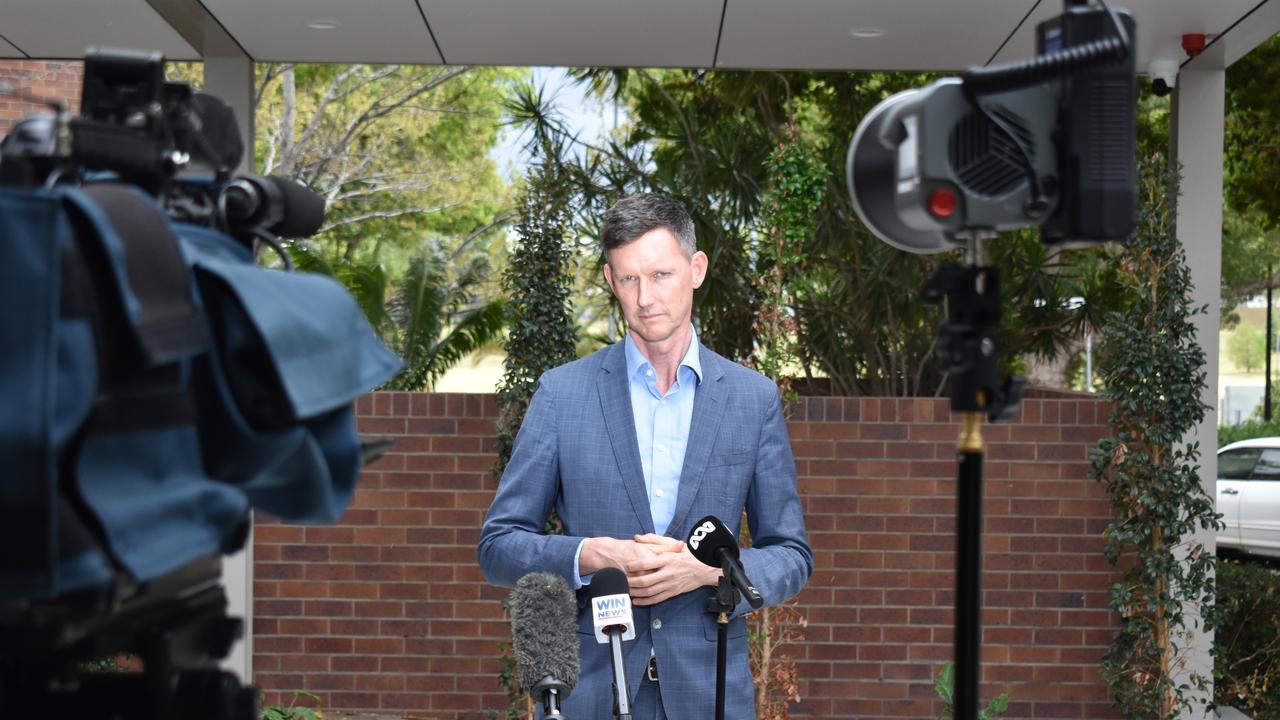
<point x="632" y="445"/>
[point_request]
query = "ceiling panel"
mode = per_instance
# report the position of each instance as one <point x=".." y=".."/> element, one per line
<point x="947" y="35"/>
<point x="838" y="34"/>
<point x="7" y="50"/>
<point x="576" y="33"/>
<point x="339" y="31"/>
<point x="64" y="28"/>
<point x="1161" y="25"/>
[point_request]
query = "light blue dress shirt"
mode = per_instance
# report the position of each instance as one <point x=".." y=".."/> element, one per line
<point x="662" y="426"/>
<point x="662" y="430"/>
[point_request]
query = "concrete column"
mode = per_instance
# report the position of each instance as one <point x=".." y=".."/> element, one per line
<point x="1196" y="136"/>
<point x="231" y="79"/>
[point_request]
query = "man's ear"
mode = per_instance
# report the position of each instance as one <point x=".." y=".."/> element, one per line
<point x="699" y="263"/>
<point x="608" y="276"/>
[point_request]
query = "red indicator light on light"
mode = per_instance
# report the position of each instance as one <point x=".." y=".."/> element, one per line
<point x="943" y="202"/>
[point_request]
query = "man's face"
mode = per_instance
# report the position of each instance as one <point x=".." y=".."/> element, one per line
<point x="654" y="282"/>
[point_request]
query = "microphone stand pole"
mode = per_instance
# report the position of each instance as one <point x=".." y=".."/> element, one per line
<point x="722" y="604"/>
<point x="552" y="692"/>
<point x="967" y="352"/>
<point x="621" y="695"/>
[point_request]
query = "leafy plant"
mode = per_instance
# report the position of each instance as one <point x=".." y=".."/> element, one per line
<point x="797" y="181"/>
<point x="541" y="336"/>
<point x="1246" y="666"/>
<point x="537" y="281"/>
<point x="797" y="186"/>
<point x="944" y="684"/>
<point x="1246" y="347"/>
<point x="438" y="321"/>
<point x="433" y="315"/>
<point x="519" y="704"/>
<point x="293" y="711"/>
<point x="1247" y="430"/>
<point x="775" y="675"/>
<point x="1153" y="372"/>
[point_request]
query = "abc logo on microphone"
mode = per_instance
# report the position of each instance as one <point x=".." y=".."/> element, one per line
<point x="700" y="533"/>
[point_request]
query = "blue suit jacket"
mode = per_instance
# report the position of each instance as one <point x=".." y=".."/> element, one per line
<point x="577" y="451"/>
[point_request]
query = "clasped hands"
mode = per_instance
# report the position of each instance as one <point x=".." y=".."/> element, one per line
<point x="657" y="567"/>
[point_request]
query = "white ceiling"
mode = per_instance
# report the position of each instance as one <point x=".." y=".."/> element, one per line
<point x="390" y="31"/>
<point x="64" y="28"/>
<point x="1161" y="25"/>
<point x="750" y="34"/>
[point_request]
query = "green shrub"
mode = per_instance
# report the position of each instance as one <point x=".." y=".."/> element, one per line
<point x="945" y="684"/>
<point x="294" y="711"/>
<point x="1247" y="640"/>
<point x="1247" y="430"/>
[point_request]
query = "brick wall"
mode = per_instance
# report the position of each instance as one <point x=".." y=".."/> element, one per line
<point x="388" y="613"/>
<point x="45" y="79"/>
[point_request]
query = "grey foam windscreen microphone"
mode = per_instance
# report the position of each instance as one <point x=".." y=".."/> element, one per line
<point x="544" y="630"/>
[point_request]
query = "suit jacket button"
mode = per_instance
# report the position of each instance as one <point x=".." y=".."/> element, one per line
<point x="657" y="624"/>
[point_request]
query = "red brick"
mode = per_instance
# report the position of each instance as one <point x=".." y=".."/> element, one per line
<point x="429" y="463"/>
<point x="265" y="533"/>
<point x="444" y="444"/>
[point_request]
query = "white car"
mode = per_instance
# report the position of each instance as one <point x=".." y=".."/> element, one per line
<point x="1249" y="496"/>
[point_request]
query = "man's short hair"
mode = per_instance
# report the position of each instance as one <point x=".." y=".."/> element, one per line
<point x="635" y="215"/>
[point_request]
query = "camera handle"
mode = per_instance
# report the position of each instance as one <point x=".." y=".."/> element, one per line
<point x="966" y="348"/>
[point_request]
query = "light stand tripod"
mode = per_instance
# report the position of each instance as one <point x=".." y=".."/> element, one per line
<point x="967" y="350"/>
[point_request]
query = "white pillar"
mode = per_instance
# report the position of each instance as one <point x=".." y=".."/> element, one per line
<point x="231" y="79"/>
<point x="1197" y="139"/>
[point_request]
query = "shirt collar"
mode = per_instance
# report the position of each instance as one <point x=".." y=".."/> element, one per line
<point x="636" y="360"/>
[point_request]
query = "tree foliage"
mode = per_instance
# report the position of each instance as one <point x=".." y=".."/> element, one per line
<point x="1251" y="177"/>
<point x="537" y="281"/>
<point x="542" y="335"/>
<point x="399" y="152"/>
<point x="1247" y="347"/>
<point x="1247" y="640"/>
<point x="1252" y="148"/>
<point x="431" y="318"/>
<point x="797" y="184"/>
<point x="1153" y="371"/>
<point x="414" y="205"/>
<point x="707" y="137"/>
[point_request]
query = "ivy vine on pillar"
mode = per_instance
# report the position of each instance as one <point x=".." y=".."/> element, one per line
<point x="1153" y="372"/>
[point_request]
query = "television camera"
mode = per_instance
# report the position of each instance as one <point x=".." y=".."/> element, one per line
<point x="159" y="384"/>
<point x="1047" y="143"/>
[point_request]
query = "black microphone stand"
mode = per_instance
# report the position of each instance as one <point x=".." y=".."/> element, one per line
<point x="967" y="351"/>
<point x="722" y="604"/>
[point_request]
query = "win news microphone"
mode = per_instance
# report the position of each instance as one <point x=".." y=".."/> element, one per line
<point x="544" y="633"/>
<point x="611" y="616"/>
<point x="713" y="543"/>
<point x="278" y="205"/>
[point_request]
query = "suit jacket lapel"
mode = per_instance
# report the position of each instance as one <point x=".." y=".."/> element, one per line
<point x="708" y="407"/>
<point x="614" y="389"/>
